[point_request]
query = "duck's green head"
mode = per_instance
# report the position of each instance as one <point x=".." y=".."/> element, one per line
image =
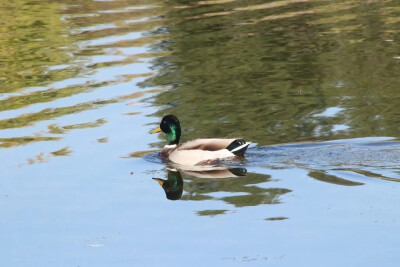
<point x="171" y="127"/>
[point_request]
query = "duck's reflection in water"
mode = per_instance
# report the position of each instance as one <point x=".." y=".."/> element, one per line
<point x="173" y="186"/>
<point x="234" y="186"/>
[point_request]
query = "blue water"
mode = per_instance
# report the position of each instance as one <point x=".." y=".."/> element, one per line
<point x="313" y="85"/>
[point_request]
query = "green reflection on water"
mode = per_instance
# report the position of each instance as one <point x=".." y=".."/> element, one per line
<point x="46" y="114"/>
<point x="17" y="141"/>
<point x="33" y="37"/>
<point x="62" y="152"/>
<point x="246" y="191"/>
<point x="263" y="70"/>
<point x="93" y="124"/>
<point x="324" y="177"/>
<point x="51" y="52"/>
<point x="51" y="94"/>
<point x="211" y="212"/>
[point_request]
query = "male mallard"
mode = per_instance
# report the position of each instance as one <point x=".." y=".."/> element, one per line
<point x="199" y="151"/>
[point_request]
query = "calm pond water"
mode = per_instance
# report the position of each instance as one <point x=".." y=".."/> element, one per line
<point x="313" y="84"/>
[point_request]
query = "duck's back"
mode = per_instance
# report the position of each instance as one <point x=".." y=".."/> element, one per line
<point x="209" y="144"/>
<point x="203" y="150"/>
<point x="194" y="156"/>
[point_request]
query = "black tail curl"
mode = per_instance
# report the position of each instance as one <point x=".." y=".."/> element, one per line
<point x="238" y="147"/>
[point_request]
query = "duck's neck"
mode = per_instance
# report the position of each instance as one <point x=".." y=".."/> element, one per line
<point x="174" y="136"/>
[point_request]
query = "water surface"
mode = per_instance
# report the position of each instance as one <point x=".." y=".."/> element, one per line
<point x="313" y="84"/>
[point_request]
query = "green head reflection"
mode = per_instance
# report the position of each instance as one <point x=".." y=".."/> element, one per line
<point x="173" y="186"/>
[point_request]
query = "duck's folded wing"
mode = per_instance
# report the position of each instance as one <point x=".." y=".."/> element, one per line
<point x="196" y="156"/>
<point x="209" y="144"/>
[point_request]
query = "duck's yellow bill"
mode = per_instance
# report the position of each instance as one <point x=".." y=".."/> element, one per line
<point x="156" y="130"/>
<point x="160" y="181"/>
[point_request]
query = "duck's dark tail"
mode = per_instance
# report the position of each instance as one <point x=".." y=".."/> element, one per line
<point x="238" y="147"/>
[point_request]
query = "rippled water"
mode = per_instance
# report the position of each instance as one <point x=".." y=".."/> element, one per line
<point x="313" y="84"/>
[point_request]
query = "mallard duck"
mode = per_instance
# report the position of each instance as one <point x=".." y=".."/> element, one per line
<point x="198" y="151"/>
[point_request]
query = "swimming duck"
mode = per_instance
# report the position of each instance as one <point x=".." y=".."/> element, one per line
<point x="198" y="151"/>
